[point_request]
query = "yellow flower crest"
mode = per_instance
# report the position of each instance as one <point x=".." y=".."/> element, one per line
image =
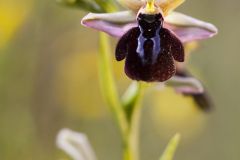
<point x="150" y="7"/>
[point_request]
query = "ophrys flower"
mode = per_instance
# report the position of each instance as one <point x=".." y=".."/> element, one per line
<point x="152" y="36"/>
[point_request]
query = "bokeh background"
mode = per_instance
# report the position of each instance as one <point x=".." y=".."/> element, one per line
<point x="49" y="81"/>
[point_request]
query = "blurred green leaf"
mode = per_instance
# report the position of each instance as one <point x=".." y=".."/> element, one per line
<point x="131" y="97"/>
<point x="171" y="148"/>
<point x="107" y="5"/>
<point x="87" y="5"/>
<point x="96" y="6"/>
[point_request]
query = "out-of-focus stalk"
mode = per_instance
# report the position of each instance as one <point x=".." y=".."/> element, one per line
<point x="126" y="111"/>
<point x="107" y="83"/>
<point x="171" y="148"/>
<point x="131" y="102"/>
<point x="82" y="4"/>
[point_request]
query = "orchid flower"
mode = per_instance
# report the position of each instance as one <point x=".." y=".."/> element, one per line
<point x="152" y="38"/>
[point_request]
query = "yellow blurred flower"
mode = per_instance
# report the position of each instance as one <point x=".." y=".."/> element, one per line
<point x="12" y="15"/>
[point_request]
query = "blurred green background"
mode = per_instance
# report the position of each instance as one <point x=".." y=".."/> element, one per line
<point x="49" y="81"/>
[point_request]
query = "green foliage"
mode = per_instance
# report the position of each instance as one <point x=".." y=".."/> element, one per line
<point x="171" y="148"/>
<point x="131" y="97"/>
<point x="107" y="82"/>
<point x="96" y="6"/>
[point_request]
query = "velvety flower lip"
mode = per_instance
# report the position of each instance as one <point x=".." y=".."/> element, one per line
<point x="142" y="63"/>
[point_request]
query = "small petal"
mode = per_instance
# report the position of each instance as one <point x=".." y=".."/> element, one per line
<point x="188" y="28"/>
<point x="117" y="17"/>
<point x="115" y="24"/>
<point x="187" y="85"/>
<point x="75" y="144"/>
<point x="203" y="100"/>
<point x="169" y="5"/>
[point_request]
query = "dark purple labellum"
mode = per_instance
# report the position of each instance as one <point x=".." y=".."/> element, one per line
<point x="150" y="50"/>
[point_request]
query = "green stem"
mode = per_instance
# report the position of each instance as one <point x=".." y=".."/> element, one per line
<point x="108" y="86"/>
<point x="130" y="99"/>
<point x="131" y="146"/>
<point x="132" y="105"/>
<point x="126" y="112"/>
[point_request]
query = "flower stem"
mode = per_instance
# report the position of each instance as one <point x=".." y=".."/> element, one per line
<point x="131" y="102"/>
<point x="131" y="145"/>
<point x="108" y="86"/>
<point x="126" y="110"/>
